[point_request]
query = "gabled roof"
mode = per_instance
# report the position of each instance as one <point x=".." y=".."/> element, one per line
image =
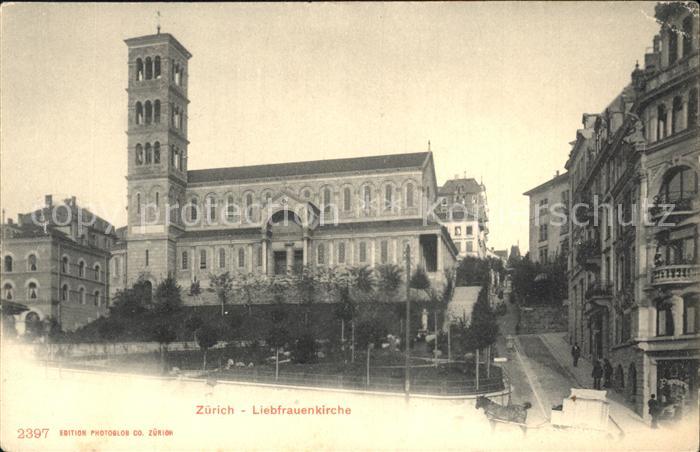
<point x="310" y="168"/>
<point x="470" y="186"/>
<point x="550" y="183"/>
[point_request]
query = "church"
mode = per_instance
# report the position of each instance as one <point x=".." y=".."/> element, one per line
<point x="265" y="219"/>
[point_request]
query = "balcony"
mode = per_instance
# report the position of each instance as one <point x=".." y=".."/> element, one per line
<point x="675" y="274"/>
<point x="588" y="254"/>
<point x="599" y="291"/>
<point x="669" y="212"/>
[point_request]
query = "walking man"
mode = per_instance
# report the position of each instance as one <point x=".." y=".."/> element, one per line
<point x="654" y="410"/>
<point x="597" y="374"/>
<point x="607" y="373"/>
<point x="575" y="353"/>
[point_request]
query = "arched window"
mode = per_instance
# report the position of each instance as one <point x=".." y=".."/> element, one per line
<point x="139" y="69"/>
<point x="156" y="152"/>
<point x="32" y="291"/>
<point x="681" y="184"/>
<point x="676" y="114"/>
<point x="185" y="260"/>
<point x="139" y="113"/>
<point x="156" y="112"/>
<point x="149" y="112"/>
<point x="672" y="45"/>
<point x="138" y="203"/>
<point x="81" y="293"/>
<point x="98" y="299"/>
<point x="157" y="199"/>
<point x="687" y="35"/>
<point x="203" y="259"/>
<point x="326" y="196"/>
<point x="222" y="258"/>
<point x="64" y="292"/>
<point x="661" y="122"/>
<point x="64" y="264"/>
<point x="268" y="198"/>
<point x="249" y="200"/>
<point x="388" y="197"/>
<point x="409" y="194"/>
<point x="180" y="119"/>
<point x="139" y="154"/>
<point x="177" y="76"/>
<point x="632" y="381"/>
<point x="692" y="108"/>
<point x="8" y="264"/>
<point x="367" y="197"/>
<point x="98" y="272"/>
<point x="230" y="209"/>
<point x="241" y="257"/>
<point x="81" y="269"/>
<point x="149" y="154"/>
<point x="347" y="199"/>
<point x="211" y="208"/>
<point x="31" y="263"/>
<point x="321" y="254"/>
<point x="149" y="68"/>
<point x="193" y="209"/>
<point x="156" y="67"/>
<point x="8" y="291"/>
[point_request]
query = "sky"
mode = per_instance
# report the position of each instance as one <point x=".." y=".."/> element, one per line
<point x="498" y="89"/>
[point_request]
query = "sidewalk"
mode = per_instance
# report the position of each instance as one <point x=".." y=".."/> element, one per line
<point x="627" y="419"/>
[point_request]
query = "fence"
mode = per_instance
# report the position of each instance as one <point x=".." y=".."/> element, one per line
<point x="383" y="384"/>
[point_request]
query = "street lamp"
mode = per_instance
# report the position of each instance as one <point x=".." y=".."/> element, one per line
<point x="503" y="360"/>
<point x="407" y="345"/>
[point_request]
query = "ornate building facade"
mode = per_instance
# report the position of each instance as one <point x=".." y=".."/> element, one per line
<point x="55" y="265"/>
<point x="264" y="219"/>
<point x="549" y="219"/>
<point x="634" y="284"/>
<point x="463" y="209"/>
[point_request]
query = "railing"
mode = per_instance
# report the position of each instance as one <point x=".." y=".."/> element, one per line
<point x="385" y="384"/>
<point x="675" y="274"/>
<point x="670" y="207"/>
<point x="599" y="290"/>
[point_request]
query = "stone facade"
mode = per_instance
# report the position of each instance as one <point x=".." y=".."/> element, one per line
<point x="634" y="290"/>
<point x="548" y="222"/>
<point x="262" y="220"/>
<point x="463" y="210"/>
<point x="55" y="267"/>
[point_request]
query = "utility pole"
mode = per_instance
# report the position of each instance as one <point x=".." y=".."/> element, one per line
<point x="407" y="344"/>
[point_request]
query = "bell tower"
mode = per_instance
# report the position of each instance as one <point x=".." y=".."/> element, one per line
<point x="157" y="153"/>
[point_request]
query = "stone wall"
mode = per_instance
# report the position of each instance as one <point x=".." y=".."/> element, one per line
<point x="542" y="319"/>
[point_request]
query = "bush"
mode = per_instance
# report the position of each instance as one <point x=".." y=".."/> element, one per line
<point x="305" y="349"/>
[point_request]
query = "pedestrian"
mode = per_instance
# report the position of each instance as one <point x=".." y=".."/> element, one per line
<point x="575" y="353"/>
<point x="607" y="373"/>
<point x="654" y="410"/>
<point x="597" y="374"/>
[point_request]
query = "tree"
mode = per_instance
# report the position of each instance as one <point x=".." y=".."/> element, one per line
<point x="306" y="285"/>
<point x="207" y="337"/>
<point x="132" y="301"/>
<point x="472" y="271"/>
<point x="363" y="285"/>
<point x="420" y="281"/>
<point x="305" y="349"/>
<point x="164" y="334"/>
<point x="168" y="297"/>
<point x="390" y="279"/>
<point x="193" y="324"/>
<point x="363" y="280"/>
<point x="223" y="286"/>
<point x="277" y="337"/>
<point x="345" y="311"/>
<point x="110" y="329"/>
<point x="370" y="332"/>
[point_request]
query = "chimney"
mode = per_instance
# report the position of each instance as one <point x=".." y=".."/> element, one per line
<point x="557" y="174"/>
<point x="48" y="200"/>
